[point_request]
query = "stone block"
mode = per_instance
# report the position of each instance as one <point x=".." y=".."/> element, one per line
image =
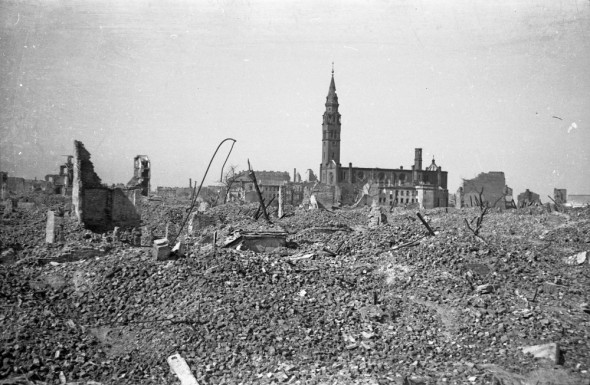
<point x="198" y="221"/>
<point x="549" y="351"/>
<point x="313" y="203"/>
<point x="264" y="244"/>
<point x="8" y="206"/>
<point x="576" y="259"/>
<point x="161" y="249"/>
<point x="260" y="242"/>
<point x="179" y="366"/>
<point x="26" y="205"/>
<point x="116" y="233"/>
<point x="551" y="288"/>
<point x="179" y="249"/>
<point x="204" y="206"/>
<point x="7" y="257"/>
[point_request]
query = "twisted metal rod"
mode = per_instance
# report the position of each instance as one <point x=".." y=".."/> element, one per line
<point x="190" y="209"/>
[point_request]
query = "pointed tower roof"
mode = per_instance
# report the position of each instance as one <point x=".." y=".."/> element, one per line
<point x="332" y="97"/>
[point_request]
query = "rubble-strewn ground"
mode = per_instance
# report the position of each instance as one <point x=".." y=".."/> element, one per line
<point x="346" y="304"/>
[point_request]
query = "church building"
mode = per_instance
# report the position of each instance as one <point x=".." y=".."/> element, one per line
<point x="391" y="186"/>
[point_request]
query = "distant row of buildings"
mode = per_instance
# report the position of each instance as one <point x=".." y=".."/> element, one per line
<point x="337" y="185"/>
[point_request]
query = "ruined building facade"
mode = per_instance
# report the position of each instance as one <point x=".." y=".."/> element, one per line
<point x="268" y="183"/>
<point x="487" y="188"/>
<point x="63" y="182"/>
<point x="141" y="175"/>
<point x="389" y="186"/>
<point x="96" y="206"/>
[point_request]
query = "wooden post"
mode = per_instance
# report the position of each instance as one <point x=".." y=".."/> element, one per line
<point x="260" y="199"/>
<point x="425" y="224"/>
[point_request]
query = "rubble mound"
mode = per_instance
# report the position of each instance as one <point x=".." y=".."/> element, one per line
<point x="342" y="302"/>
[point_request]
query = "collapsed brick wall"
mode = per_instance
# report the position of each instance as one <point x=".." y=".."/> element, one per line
<point x="85" y="167"/>
<point x="199" y="221"/>
<point x="174" y="192"/>
<point x="493" y="184"/>
<point x="579" y="199"/>
<point x="15" y="185"/>
<point x="560" y="195"/>
<point x="351" y="192"/>
<point x="325" y="195"/>
<point x="272" y="177"/>
<point x="124" y="213"/>
<point x="528" y="198"/>
<point x="96" y="206"/>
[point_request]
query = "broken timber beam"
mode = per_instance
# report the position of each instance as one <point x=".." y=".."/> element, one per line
<point x="426" y="224"/>
<point x="267" y="206"/>
<point x="260" y="199"/>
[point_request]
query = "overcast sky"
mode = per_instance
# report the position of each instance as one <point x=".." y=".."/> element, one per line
<point x="478" y="85"/>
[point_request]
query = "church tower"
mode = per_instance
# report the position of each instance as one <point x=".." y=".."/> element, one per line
<point x="330" y="166"/>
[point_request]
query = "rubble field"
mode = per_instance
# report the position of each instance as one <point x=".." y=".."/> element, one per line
<point x="345" y="301"/>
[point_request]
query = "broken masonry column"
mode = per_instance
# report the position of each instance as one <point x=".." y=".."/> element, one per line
<point x="50" y="227"/>
<point x="136" y="234"/>
<point x="459" y="198"/>
<point x="281" y="201"/>
<point x="376" y="215"/>
<point x="192" y="223"/>
<point x="146" y="236"/>
<point x="560" y="195"/>
<point x="8" y="206"/>
<point x="54" y="229"/>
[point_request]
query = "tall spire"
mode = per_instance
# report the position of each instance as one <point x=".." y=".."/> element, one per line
<point x="332" y="97"/>
<point x="330" y="166"/>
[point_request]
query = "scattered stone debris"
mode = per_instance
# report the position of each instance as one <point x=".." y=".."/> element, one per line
<point x="316" y="296"/>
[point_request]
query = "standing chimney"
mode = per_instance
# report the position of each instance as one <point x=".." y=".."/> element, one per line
<point x="418" y="159"/>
